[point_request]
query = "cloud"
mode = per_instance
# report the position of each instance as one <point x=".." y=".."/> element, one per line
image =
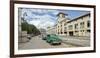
<point x="32" y="13"/>
<point x="44" y="12"/>
<point x="42" y="21"/>
<point x="41" y="18"/>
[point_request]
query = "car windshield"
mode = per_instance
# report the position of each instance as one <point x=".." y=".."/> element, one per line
<point x="53" y="36"/>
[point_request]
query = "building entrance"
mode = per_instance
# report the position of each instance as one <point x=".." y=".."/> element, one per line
<point x="71" y="33"/>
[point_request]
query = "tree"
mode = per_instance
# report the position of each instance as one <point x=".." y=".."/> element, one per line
<point x="31" y="29"/>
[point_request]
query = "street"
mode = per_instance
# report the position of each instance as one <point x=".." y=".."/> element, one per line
<point x="67" y="42"/>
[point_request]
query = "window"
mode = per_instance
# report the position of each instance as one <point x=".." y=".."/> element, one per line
<point x="61" y="25"/>
<point x="58" y="26"/>
<point x="81" y="30"/>
<point x="70" y="27"/>
<point x="76" y="26"/>
<point x="82" y="25"/>
<point x="88" y="31"/>
<point x="88" y="23"/>
<point x="61" y="32"/>
<point x="65" y="32"/>
<point x="58" y="30"/>
<point x="65" y="29"/>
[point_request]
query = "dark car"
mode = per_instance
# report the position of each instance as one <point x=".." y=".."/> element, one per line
<point x="44" y="37"/>
<point x="53" y="39"/>
<point x="29" y="37"/>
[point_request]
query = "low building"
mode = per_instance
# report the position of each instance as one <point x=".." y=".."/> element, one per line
<point x="43" y="32"/>
<point x="52" y="30"/>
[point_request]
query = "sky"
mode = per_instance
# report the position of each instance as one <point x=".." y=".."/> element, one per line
<point x="43" y="18"/>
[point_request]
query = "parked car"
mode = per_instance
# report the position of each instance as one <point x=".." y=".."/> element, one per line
<point x="29" y="37"/>
<point x="53" y="39"/>
<point x="44" y="36"/>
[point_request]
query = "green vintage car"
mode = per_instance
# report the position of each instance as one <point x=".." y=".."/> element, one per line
<point x="53" y="39"/>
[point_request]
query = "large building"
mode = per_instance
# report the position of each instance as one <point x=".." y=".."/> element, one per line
<point x="79" y="26"/>
<point x="61" y="21"/>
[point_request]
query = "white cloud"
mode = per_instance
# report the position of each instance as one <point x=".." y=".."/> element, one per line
<point x="44" y="11"/>
<point x="35" y="22"/>
<point x="42" y="21"/>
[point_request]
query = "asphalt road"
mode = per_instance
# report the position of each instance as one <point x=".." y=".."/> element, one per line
<point x="37" y="43"/>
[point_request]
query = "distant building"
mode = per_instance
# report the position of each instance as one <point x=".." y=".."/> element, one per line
<point x="79" y="26"/>
<point x="42" y="31"/>
<point x="51" y="30"/>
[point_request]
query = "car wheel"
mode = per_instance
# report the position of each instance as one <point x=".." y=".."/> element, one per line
<point x="47" y="41"/>
<point x="59" y="43"/>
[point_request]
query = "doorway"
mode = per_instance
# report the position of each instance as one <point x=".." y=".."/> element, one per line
<point x="71" y="33"/>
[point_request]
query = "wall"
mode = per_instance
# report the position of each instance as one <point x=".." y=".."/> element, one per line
<point x="4" y="31"/>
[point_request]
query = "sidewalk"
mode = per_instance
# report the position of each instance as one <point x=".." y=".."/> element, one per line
<point x="75" y="37"/>
<point x="76" y="41"/>
<point x="82" y="43"/>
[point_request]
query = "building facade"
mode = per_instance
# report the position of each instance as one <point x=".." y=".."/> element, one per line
<point x="79" y="26"/>
<point x="61" y="21"/>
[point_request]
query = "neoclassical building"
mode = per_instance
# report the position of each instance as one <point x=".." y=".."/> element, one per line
<point x="79" y="26"/>
<point x="61" y="22"/>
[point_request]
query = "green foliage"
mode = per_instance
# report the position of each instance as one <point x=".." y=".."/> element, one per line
<point x="24" y="26"/>
<point x="31" y="29"/>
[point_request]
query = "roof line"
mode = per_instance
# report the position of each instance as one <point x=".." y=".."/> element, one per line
<point x="78" y="17"/>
